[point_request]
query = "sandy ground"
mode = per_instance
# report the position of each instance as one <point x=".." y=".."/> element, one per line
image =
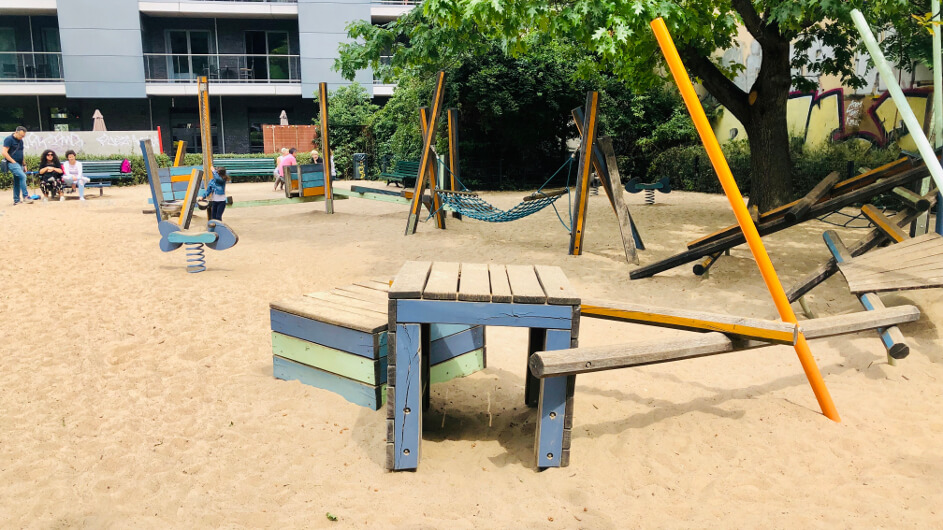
<point x="135" y="395"/>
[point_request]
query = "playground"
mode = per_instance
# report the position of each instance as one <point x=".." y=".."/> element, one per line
<point x="135" y="394"/>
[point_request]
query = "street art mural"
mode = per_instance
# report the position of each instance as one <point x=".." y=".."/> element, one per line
<point x="831" y="115"/>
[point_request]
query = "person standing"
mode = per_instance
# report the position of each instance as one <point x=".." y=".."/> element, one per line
<point x="13" y="154"/>
<point x="279" y="179"/>
<point x="216" y="192"/>
<point x="73" y="174"/>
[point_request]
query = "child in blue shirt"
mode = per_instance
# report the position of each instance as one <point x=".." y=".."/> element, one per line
<point x="216" y="193"/>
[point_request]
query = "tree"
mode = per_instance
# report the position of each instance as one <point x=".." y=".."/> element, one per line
<point x="617" y="37"/>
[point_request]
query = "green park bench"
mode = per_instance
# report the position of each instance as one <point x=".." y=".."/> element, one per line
<point x="101" y="173"/>
<point x="246" y="167"/>
<point x="404" y="174"/>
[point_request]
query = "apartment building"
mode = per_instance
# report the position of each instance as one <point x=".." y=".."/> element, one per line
<point x="138" y="60"/>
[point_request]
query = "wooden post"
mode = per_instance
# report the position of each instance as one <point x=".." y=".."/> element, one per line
<point x="181" y="151"/>
<point x="206" y="127"/>
<point x="150" y="168"/>
<point x="454" y="167"/>
<point x="585" y="168"/>
<point x="425" y="158"/>
<point x="325" y="150"/>
<point x="743" y="216"/>
<point x="434" y="176"/>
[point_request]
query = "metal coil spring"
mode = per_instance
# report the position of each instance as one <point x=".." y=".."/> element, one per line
<point x="196" y="261"/>
<point x="649" y="196"/>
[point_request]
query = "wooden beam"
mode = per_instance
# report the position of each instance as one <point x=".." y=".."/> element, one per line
<point x="845" y="186"/>
<point x="325" y="150"/>
<point x="627" y="230"/>
<point x="206" y="128"/>
<point x="181" y="151"/>
<point x="801" y="208"/>
<point x="428" y="142"/>
<point x="749" y="328"/>
<point x="590" y="129"/>
<point x="705" y="265"/>
<point x="884" y="224"/>
<point x="891" y="337"/>
<point x="912" y="199"/>
<point x="435" y="204"/>
<point x="454" y="166"/>
<point x="780" y="223"/>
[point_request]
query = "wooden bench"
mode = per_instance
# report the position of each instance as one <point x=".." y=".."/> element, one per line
<point x="101" y="173"/>
<point x="404" y="174"/>
<point x="737" y="334"/>
<point x="246" y="167"/>
<point x="337" y="340"/>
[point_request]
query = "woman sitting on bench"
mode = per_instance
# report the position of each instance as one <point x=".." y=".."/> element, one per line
<point x="50" y="175"/>
<point x="73" y="174"/>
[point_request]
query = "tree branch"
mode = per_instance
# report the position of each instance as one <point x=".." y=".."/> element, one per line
<point x="751" y="19"/>
<point x="726" y="91"/>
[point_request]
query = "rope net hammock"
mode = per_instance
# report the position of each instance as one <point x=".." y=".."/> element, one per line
<point x="471" y="205"/>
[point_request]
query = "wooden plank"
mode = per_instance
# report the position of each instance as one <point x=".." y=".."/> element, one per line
<point x="551" y="409"/>
<point x="407" y="420"/>
<point x="326" y="148"/>
<point x="276" y="202"/>
<point x="357" y="393"/>
<point x="627" y="230"/>
<point x="435" y="205"/>
<point x="443" y="349"/>
<point x="801" y="208"/>
<point x="484" y="313"/>
<point x="749" y="328"/>
<point x="410" y="280"/>
<point x="461" y="366"/>
<point x="525" y="287"/>
<point x="426" y="156"/>
<point x="536" y="341"/>
<point x="346" y="364"/>
<point x="331" y="314"/>
<point x="362" y="293"/>
<point x="556" y="285"/>
<point x="883" y="223"/>
<point x="338" y="337"/>
<point x="369" y="195"/>
<point x="581" y="201"/>
<point x="344" y="300"/>
<point x="439" y="331"/>
<point x="898" y="284"/>
<point x="443" y="281"/>
<point x="500" y="286"/>
<point x="575" y="361"/>
<point x="778" y="224"/>
<point x="150" y="169"/>
<point x="312" y="192"/>
<point x="909" y="244"/>
<point x="189" y="200"/>
<point x="863" y="270"/>
<point x="861" y="321"/>
<point x="474" y="284"/>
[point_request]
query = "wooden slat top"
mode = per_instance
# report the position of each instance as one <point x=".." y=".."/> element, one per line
<point x="333" y="313"/>
<point x="912" y="264"/>
<point x="475" y="282"/>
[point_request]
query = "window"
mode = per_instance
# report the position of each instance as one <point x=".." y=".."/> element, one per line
<point x="267" y="53"/>
<point x="7" y="53"/>
<point x="189" y="54"/>
<point x="61" y="119"/>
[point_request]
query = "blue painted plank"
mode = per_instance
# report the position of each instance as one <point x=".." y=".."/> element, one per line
<point x="182" y="170"/>
<point x="454" y="345"/>
<point x="349" y="340"/>
<point x="484" y="313"/>
<point x="166" y="188"/>
<point x="313" y="178"/>
<point x="407" y="412"/>
<point x="551" y="409"/>
<point x="437" y="331"/>
<point x="354" y="391"/>
<point x="179" y="186"/>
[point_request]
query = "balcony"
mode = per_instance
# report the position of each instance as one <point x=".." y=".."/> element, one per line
<point x="221" y="8"/>
<point x="243" y="74"/>
<point x="31" y="73"/>
<point x="383" y="11"/>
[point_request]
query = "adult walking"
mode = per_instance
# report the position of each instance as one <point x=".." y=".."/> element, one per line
<point x="13" y="156"/>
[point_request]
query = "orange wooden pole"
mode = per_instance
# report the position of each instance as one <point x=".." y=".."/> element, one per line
<point x="743" y="215"/>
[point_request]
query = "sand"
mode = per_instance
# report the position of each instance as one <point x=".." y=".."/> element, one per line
<point x="135" y="395"/>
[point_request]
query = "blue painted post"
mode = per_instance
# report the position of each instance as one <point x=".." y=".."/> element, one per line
<point x="407" y="414"/>
<point x="552" y="408"/>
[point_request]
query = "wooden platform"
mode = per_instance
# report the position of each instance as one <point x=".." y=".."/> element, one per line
<point x="912" y="264"/>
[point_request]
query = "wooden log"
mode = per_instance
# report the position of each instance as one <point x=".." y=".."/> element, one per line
<point x="425" y="162"/>
<point x="576" y="361"/>
<point x="802" y="206"/>
<point x="543" y="194"/>
<point x="704" y="266"/>
<point x="884" y="224"/>
<point x="912" y="199"/>
<point x="748" y="328"/>
<point x="780" y="223"/>
<point x="842" y="187"/>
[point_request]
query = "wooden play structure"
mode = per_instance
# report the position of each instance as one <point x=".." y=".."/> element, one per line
<point x="337" y="340"/>
<point x="174" y="190"/>
<point x="449" y="194"/>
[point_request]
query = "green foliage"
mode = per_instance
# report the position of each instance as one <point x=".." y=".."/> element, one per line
<point x="690" y="170"/>
<point x="350" y="114"/>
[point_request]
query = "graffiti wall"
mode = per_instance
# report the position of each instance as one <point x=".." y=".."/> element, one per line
<point x="101" y="143"/>
<point x="832" y="115"/>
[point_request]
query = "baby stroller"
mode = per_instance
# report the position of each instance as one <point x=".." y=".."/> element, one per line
<point x="51" y="185"/>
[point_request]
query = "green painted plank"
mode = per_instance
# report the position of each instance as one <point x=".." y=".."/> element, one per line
<point x="338" y="362"/>
<point x="461" y="366"/>
<point x="273" y="202"/>
<point x="341" y="192"/>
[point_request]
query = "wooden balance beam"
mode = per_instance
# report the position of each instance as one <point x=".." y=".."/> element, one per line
<point x="780" y="223"/>
<point x="582" y="360"/>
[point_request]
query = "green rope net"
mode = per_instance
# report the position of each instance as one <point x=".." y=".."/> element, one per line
<point x="477" y="208"/>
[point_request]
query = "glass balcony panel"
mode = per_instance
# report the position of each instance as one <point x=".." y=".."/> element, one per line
<point x="224" y="68"/>
<point x="30" y="67"/>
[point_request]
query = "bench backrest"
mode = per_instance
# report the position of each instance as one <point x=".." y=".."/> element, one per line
<point x="112" y="167"/>
<point x="239" y="165"/>
<point x="408" y="167"/>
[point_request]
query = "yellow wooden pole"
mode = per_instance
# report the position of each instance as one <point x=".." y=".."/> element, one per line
<point x="743" y="215"/>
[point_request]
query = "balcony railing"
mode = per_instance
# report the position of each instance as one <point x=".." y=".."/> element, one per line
<point x="257" y="1"/>
<point x="30" y="67"/>
<point x="225" y="68"/>
<point x="397" y="2"/>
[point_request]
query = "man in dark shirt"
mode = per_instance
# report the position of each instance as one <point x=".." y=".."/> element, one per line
<point x="13" y="154"/>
